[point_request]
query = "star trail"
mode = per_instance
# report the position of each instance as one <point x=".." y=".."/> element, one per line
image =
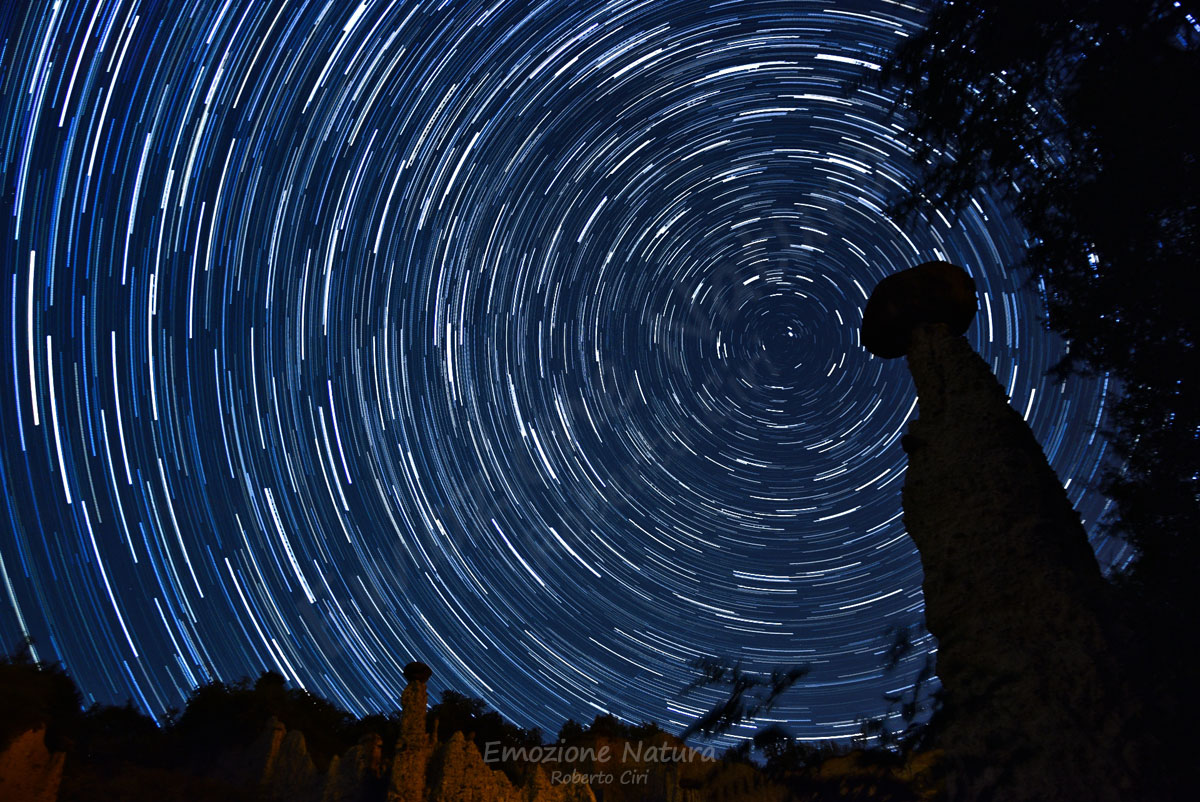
<point x="519" y="339"/>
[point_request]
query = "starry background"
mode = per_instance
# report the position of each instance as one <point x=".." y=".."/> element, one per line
<point x="520" y="339"/>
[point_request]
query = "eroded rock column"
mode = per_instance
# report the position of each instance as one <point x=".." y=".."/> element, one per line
<point x="1034" y="705"/>
<point x="414" y="747"/>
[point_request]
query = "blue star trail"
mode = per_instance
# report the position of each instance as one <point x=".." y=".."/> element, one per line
<point x="519" y="339"/>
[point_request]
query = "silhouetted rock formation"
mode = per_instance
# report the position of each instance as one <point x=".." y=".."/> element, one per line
<point x="352" y="777"/>
<point x="933" y="292"/>
<point x="872" y="775"/>
<point x="29" y="772"/>
<point x="217" y="750"/>
<point x="211" y="753"/>
<point x="1034" y="705"/>
<point x="282" y="766"/>
<point x="458" y="774"/>
<point x="278" y="767"/>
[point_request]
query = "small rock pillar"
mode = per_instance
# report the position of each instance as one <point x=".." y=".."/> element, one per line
<point x="413" y="749"/>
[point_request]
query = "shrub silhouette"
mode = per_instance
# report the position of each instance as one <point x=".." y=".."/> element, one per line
<point x="35" y="694"/>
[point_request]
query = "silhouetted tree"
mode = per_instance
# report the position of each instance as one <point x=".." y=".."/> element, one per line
<point x="218" y="715"/>
<point x="36" y="694"/>
<point x="606" y="725"/>
<point x="108" y="734"/>
<point x="913" y="711"/>
<point x="749" y="695"/>
<point x="571" y="731"/>
<point x="385" y="725"/>
<point x="785" y="754"/>
<point x="456" y="712"/>
<point x="884" y="745"/>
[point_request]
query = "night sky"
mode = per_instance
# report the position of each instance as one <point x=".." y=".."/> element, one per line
<point x="519" y="339"/>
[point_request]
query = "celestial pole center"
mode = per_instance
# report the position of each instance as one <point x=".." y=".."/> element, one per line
<point x="517" y="339"/>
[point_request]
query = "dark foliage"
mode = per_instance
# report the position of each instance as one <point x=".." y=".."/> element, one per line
<point x="913" y="711"/>
<point x="607" y="725"/>
<point x="386" y="726"/>
<point x="749" y="695"/>
<point x="873" y="762"/>
<point x="108" y="734"/>
<point x="784" y="754"/>
<point x="113" y="752"/>
<point x="457" y="712"/>
<point x="219" y="715"/>
<point x="33" y="695"/>
<point x="1081" y="113"/>
<point x="571" y="731"/>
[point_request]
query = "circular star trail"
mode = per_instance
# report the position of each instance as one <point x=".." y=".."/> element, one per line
<point x="519" y="339"/>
